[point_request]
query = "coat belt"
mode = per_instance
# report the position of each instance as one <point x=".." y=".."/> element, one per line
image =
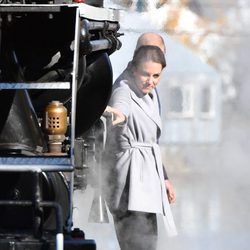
<point x="134" y="144"/>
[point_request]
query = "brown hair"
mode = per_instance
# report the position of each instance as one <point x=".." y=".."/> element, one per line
<point x="148" y="53"/>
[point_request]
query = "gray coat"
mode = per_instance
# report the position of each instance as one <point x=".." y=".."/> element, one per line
<point x="137" y="181"/>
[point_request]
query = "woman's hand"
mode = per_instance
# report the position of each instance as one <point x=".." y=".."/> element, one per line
<point x="118" y="117"/>
<point x="170" y="191"/>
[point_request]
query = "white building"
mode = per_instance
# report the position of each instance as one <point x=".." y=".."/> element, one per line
<point x="190" y="93"/>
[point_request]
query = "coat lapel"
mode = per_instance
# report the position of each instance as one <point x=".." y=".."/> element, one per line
<point x="146" y="102"/>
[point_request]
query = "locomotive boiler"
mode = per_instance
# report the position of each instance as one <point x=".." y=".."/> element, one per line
<point x="55" y="82"/>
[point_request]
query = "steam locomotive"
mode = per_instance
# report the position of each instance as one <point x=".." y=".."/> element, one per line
<point x="55" y="82"/>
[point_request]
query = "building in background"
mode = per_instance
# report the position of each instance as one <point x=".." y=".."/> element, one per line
<point x="190" y="93"/>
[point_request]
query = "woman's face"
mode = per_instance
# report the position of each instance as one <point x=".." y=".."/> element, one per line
<point x="147" y="76"/>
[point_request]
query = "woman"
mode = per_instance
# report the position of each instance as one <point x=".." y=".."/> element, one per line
<point x="136" y="191"/>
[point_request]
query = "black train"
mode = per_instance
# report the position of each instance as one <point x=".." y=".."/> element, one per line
<point x="55" y="82"/>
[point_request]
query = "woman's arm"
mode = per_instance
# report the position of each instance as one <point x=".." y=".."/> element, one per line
<point x="117" y="117"/>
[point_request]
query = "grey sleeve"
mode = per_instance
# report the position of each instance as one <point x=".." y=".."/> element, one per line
<point x="121" y="99"/>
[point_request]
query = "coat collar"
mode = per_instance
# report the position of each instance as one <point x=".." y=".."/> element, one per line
<point x="149" y="105"/>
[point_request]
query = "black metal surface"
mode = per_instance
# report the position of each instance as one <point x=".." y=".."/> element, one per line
<point x="33" y="244"/>
<point x="31" y="38"/>
<point x="96" y="3"/>
<point x="14" y="136"/>
<point x="30" y="42"/>
<point x="33" y="8"/>
<point x="16" y="188"/>
<point x="94" y="94"/>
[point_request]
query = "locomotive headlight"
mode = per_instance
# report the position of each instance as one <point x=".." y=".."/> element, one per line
<point x="55" y="125"/>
